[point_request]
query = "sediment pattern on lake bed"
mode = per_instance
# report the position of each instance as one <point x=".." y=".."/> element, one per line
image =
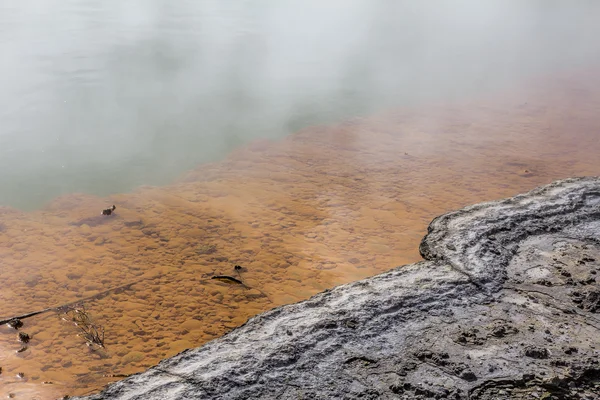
<point x="505" y="306"/>
<point x="323" y="207"/>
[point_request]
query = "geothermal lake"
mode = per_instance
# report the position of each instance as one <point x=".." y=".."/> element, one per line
<point x="103" y="96"/>
<point x="309" y="144"/>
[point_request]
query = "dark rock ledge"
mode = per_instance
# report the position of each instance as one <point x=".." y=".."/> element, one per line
<point x="506" y="305"/>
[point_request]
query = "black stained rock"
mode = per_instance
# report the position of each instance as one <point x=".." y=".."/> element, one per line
<point x="588" y="300"/>
<point x="537" y="352"/>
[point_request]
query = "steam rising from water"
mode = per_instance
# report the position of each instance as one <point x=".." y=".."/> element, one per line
<point x="101" y="96"/>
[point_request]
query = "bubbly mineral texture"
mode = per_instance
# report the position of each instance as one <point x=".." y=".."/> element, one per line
<point x="505" y="305"/>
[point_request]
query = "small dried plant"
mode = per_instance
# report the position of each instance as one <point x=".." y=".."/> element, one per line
<point x="78" y="316"/>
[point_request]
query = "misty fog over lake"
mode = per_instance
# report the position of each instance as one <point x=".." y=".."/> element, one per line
<point x="103" y="96"/>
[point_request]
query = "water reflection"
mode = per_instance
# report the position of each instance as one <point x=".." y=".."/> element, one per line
<point x="325" y="206"/>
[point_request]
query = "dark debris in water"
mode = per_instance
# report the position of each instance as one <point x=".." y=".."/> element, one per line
<point x="15" y="323"/>
<point x="24" y="337"/>
<point x="227" y="279"/>
<point x="108" y="211"/>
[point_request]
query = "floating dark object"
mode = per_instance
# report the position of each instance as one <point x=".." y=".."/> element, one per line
<point x="21" y="375"/>
<point x="15" y="323"/>
<point x="238" y="267"/>
<point x="108" y="211"/>
<point x="22" y="349"/>
<point x="23" y="337"/>
<point x="228" y="279"/>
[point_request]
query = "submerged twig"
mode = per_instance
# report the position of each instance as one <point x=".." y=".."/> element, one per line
<point x="116" y="375"/>
<point x="97" y="296"/>
<point x="235" y="281"/>
<point x="92" y="333"/>
<point x="228" y="279"/>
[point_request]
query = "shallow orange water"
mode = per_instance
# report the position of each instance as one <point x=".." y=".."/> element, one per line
<point x="325" y="206"/>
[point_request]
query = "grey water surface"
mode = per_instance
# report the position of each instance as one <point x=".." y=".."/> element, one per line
<point x="100" y="96"/>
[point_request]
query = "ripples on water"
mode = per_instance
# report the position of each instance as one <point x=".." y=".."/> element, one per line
<point x="107" y="91"/>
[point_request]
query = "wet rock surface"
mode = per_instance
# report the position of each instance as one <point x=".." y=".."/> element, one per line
<point x="505" y="305"/>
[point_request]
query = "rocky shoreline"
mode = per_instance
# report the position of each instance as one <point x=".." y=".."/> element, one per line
<point x="505" y="305"/>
